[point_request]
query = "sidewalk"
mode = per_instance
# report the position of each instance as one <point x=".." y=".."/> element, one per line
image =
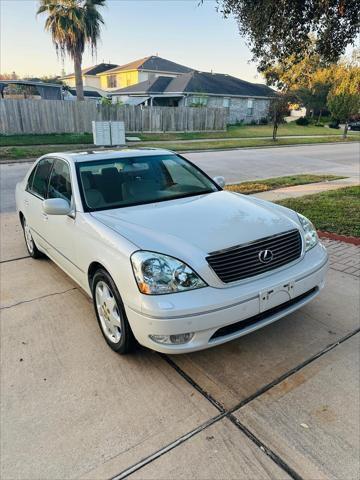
<point x="227" y="139"/>
<point x="308" y="189"/>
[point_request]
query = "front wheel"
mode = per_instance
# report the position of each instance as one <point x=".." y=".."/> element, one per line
<point x="30" y="244"/>
<point x="110" y="313"/>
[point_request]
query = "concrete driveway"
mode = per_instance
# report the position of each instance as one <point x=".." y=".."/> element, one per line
<point x="282" y="402"/>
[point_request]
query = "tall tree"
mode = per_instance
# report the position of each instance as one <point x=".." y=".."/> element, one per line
<point x="73" y="24"/>
<point x="278" y="29"/>
<point x="344" y="96"/>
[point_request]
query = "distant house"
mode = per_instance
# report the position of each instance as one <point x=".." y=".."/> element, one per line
<point x="245" y="101"/>
<point x="141" y="70"/>
<point x="89" y="75"/>
<point x="90" y="93"/>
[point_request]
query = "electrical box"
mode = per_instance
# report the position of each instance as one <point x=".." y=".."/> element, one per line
<point x="108" y="133"/>
<point x="117" y="133"/>
<point x="101" y="133"/>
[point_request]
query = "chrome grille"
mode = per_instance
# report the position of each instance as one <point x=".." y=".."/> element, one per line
<point x="243" y="261"/>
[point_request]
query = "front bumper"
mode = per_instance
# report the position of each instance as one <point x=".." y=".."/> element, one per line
<point x="205" y="311"/>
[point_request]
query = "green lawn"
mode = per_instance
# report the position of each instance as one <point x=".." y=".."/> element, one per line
<point x="244" y="131"/>
<point x="278" y="182"/>
<point x="19" y="152"/>
<point x="334" y="211"/>
<point x="48" y="139"/>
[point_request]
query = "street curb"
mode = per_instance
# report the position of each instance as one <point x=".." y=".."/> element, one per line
<point x="339" y="238"/>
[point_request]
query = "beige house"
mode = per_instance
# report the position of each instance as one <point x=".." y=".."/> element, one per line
<point x="139" y="71"/>
<point x="90" y="75"/>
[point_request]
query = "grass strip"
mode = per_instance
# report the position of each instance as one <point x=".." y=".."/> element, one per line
<point x="278" y="182"/>
<point x="335" y="211"/>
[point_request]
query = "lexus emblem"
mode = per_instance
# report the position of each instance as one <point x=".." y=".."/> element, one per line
<point x="265" y="256"/>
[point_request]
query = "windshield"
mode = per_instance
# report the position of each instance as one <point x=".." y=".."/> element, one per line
<point x="130" y="181"/>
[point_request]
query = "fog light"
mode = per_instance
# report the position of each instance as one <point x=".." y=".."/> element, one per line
<point x="172" y="339"/>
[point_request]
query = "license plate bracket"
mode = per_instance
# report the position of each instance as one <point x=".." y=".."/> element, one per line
<point x="267" y="298"/>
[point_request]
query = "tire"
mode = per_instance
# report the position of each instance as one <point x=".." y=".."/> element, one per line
<point x="29" y="241"/>
<point x="110" y="313"/>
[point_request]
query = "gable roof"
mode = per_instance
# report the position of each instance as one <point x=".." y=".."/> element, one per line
<point x="198" y="83"/>
<point x="94" y="70"/>
<point x="151" y="86"/>
<point x="152" y="63"/>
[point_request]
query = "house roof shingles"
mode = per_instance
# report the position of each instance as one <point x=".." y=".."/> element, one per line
<point x="96" y="69"/>
<point x="201" y="83"/>
<point x="152" y="63"/>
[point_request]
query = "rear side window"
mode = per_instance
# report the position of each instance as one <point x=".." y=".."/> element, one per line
<point x="40" y="180"/>
<point x="60" y="183"/>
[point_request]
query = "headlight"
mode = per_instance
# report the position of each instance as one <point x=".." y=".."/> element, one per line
<point x="158" y="274"/>
<point x="311" y="237"/>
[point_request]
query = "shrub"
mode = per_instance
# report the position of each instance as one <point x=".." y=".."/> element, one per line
<point x="302" y="121"/>
<point x="253" y="122"/>
<point x="318" y="124"/>
<point x="263" y="121"/>
<point x="334" y="123"/>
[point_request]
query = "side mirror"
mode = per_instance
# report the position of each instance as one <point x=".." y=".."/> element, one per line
<point x="56" y="206"/>
<point x="220" y="181"/>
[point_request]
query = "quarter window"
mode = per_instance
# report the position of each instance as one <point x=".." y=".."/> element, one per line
<point x="60" y="182"/>
<point x="41" y="178"/>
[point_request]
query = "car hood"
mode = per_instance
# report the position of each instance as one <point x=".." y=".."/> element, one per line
<point x="209" y="222"/>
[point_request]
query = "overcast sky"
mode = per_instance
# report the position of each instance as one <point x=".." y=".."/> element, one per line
<point x="179" y="30"/>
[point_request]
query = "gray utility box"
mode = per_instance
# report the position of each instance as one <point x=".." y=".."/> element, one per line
<point x="108" y="133"/>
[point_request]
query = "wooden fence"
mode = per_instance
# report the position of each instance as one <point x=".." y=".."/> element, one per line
<point x="60" y="116"/>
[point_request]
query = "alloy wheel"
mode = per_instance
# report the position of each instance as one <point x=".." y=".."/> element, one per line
<point x="108" y="311"/>
<point x="28" y="238"/>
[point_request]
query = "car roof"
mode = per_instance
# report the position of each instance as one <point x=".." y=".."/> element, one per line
<point x="107" y="154"/>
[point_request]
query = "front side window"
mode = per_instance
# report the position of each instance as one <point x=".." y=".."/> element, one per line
<point x="60" y="181"/>
<point x="40" y="178"/>
<point x="124" y="182"/>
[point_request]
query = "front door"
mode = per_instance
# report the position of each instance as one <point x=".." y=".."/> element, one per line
<point x="61" y="230"/>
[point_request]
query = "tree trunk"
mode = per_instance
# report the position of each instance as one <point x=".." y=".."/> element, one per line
<point x="78" y="77"/>
<point x="320" y="115"/>
<point x="345" y="130"/>
<point x="275" y="131"/>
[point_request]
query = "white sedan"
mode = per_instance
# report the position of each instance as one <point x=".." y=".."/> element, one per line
<point x="169" y="257"/>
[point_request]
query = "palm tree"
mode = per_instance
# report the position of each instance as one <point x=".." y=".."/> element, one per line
<point x="73" y="24"/>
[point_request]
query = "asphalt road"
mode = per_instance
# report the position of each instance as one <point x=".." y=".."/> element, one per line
<point x="236" y="165"/>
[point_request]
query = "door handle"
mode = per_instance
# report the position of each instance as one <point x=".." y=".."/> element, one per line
<point x="26" y="203"/>
<point x="45" y="217"/>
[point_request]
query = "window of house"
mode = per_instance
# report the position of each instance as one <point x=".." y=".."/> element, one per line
<point x="40" y="179"/>
<point x="60" y="183"/>
<point x="250" y="107"/>
<point x="111" y="81"/>
<point x="200" y="101"/>
<point x="226" y="102"/>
